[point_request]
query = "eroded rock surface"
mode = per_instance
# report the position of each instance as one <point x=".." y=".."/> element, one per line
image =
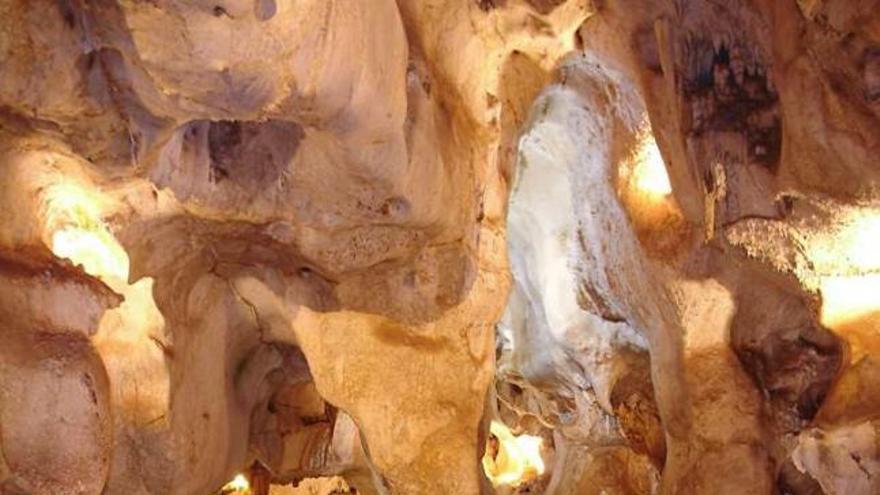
<point x="339" y="237"/>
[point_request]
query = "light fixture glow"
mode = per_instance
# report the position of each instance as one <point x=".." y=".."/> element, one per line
<point x="238" y="485"/>
<point x="96" y="251"/>
<point x="848" y="298"/>
<point x="862" y="238"/>
<point x="515" y="459"/>
<point x="852" y="289"/>
<point x="79" y="234"/>
<point x="649" y="173"/>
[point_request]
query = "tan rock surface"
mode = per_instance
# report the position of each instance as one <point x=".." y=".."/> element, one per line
<point x="316" y="238"/>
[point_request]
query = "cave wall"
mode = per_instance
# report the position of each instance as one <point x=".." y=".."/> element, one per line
<point x="748" y="279"/>
<point x="284" y="231"/>
<point x="250" y="198"/>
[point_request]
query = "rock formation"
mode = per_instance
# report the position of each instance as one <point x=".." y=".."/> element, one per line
<point x="337" y="244"/>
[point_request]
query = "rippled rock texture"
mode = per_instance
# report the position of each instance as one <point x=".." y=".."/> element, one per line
<point x="316" y="238"/>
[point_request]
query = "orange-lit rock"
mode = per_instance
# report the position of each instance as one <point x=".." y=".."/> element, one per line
<point x="336" y="244"/>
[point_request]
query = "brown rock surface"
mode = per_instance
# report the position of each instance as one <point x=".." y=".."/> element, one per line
<point x="317" y="238"/>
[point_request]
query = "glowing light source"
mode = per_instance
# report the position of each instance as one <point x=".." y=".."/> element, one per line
<point x="96" y="251"/>
<point x="68" y="202"/>
<point x="512" y="460"/>
<point x="848" y="298"/>
<point x="863" y="242"/>
<point x="852" y="289"/>
<point x="79" y="234"/>
<point x="649" y="174"/>
<point x="238" y="485"/>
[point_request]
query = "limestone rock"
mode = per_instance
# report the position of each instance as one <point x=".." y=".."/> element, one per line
<point x="325" y="243"/>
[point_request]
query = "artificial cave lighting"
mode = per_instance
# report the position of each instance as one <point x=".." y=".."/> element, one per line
<point x="645" y="191"/>
<point x="510" y="459"/>
<point x="81" y="235"/>
<point x="863" y="240"/>
<point x="649" y="175"/>
<point x="851" y="308"/>
<point x="95" y="250"/>
<point x="237" y="486"/>
<point x="68" y="201"/>
<point x="850" y="287"/>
